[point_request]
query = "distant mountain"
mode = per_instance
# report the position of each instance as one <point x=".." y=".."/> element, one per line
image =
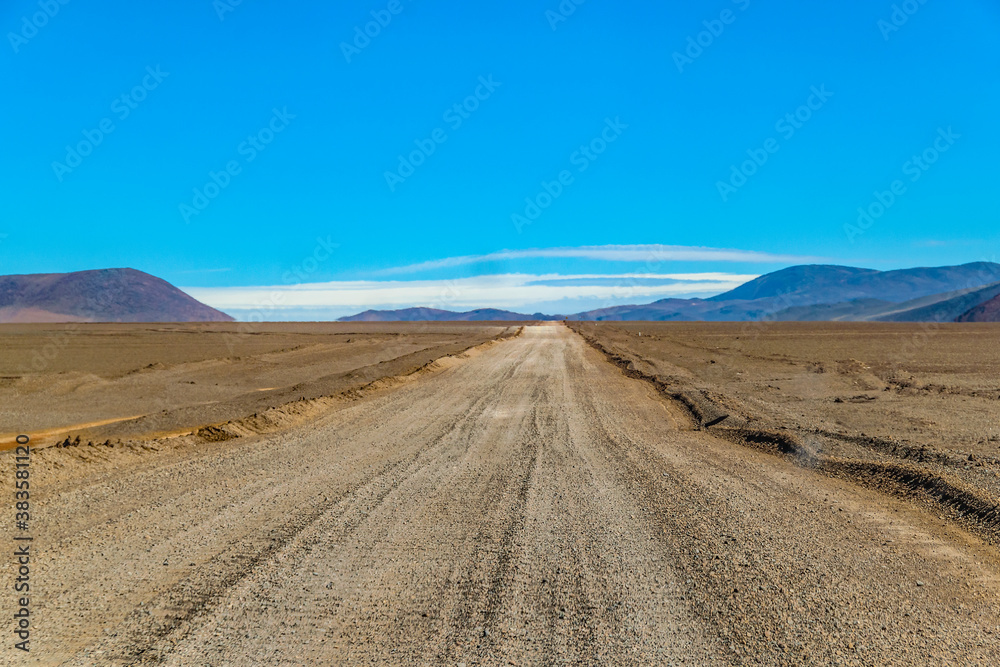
<point x="947" y="309"/>
<point x="817" y="292"/>
<point x="859" y="309"/>
<point x="688" y="310"/>
<point x="797" y="293"/>
<point x="943" y="307"/>
<point x="814" y="279"/>
<point x="404" y="315"/>
<point x="435" y="315"/>
<point x="814" y="284"/>
<point x="103" y="295"/>
<point x="988" y="311"/>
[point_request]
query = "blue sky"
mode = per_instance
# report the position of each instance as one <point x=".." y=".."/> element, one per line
<point x="590" y="159"/>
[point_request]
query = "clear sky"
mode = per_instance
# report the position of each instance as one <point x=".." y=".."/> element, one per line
<point x="527" y="154"/>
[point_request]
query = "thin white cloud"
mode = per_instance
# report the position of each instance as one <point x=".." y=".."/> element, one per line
<point x="650" y="254"/>
<point x="509" y="291"/>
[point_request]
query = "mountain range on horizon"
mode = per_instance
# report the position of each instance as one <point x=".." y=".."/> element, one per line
<point x="964" y="293"/>
<point x="797" y="293"/>
<point x="819" y="292"/>
<point x="435" y="314"/>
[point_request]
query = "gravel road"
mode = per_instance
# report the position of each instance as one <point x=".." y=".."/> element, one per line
<point x="528" y="505"/>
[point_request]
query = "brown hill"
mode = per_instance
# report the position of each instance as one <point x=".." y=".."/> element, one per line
<point x="103" y="295"/>
<point x="988" y="311"/>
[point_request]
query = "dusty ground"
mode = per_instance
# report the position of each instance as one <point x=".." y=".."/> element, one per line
<point x="933" y="384"/>
<point x="926" y="395"/>
<point x="526" y="504"/>
<point x="137" y="381"/>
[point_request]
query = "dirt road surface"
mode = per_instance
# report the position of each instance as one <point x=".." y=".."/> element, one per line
<point x="528" y="505"/>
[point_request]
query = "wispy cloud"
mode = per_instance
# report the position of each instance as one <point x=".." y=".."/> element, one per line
<point x="513" y="291"/>
<point x="650" y="254"/>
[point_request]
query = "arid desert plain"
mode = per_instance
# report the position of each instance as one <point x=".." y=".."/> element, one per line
<point x="508" y="493"/>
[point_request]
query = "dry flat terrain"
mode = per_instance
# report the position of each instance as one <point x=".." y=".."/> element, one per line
<point x="523" y="503"/>
<point x="121" y="381"/>
<point x="901" y="399"/>
<point x="935" y="385"/>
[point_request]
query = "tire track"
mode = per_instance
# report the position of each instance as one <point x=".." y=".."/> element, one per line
<point x="761" y="591"/>
<point x="148" y="635"/>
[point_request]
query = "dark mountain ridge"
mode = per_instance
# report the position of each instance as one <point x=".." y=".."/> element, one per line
<point x="988" y="311"/>
<point x="102" y="295"/>
<point x="805" y="292"/>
